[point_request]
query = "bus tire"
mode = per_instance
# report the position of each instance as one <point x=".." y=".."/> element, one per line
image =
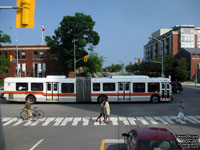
<point x="31" y="99"/>
<point x="155" y="99"/>
<point x="102" y="98"/>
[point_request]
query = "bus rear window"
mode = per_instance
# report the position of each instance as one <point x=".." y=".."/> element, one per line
<point x="21" y="86"/>
<point x="36" y="86"/>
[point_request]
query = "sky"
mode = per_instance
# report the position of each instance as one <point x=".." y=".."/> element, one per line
<point x="124" y="26"/>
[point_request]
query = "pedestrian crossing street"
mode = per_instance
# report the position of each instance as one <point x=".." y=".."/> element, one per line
<point x="86" y="121"/>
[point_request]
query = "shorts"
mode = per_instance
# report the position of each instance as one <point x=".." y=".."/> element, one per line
<point x="107" y="114"/>
<point x="29" y="113"/>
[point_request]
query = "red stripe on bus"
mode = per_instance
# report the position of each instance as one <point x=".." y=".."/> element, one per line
<point x="39" y="93"/>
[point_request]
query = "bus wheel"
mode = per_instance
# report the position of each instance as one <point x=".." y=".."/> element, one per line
<point x="32" y="99"/>
<point x="155" y="99"/>
<point x="101" y="98"/>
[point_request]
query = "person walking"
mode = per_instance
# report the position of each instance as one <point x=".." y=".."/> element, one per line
<point x="28" y="109"/>
<point x="107" y="111"/>
<point x="101" y="111"/>
<point x="181" y="109"/>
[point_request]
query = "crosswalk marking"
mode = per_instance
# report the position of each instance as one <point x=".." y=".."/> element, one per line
<point x="65" y="121"/>
<point x="86" y="121"/>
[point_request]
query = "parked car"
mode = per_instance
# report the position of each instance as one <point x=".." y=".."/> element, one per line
<point x="176" y="87"/>
<point x="1" y="91"/>
<point x="151" y="139"/>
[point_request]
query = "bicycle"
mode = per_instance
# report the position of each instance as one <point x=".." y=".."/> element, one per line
<point x="37" y="114"/>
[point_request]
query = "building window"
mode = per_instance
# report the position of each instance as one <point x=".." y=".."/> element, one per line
<point x="23" y="55"/>
<point x="35" y="55"/>
<point x="41" y="54"/>
<point x="5" y="54"/>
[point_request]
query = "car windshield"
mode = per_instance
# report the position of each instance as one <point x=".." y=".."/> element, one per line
<point x="158" y="145"/>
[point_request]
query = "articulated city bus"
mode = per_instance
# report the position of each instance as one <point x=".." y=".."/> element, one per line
<point x="62" y="89"/>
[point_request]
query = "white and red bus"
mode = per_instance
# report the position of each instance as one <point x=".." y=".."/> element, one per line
<point x="62" y="89"/>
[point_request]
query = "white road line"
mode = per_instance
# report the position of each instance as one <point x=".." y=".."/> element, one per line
<point x="6" y="119"/>
<point x="10" y="121"/>
<point x="160" y="119"/>
<point x="193" y="118"/>
<point x="20" y="121"/>
<point x="190" y="120"/>
<point x="65" y="121"/>
<point x="47" y="121"/>
<point x="58" y="121"/>
<point x="37" y="121"/>
<point x="151" y="120"/>
<point x="75" y="121"/>
<point x="168" y="119"/>
<point x="142" y="120"/>
<point x="132" y="120"/>
<point x="175" y="117"/>
<point x="40" y="141"/>
<point x="86" y="121"/>
<point x="124" y="120"/>
<point x="28" y="123"/>
<point x="114" y="121"/>
<point x="114" y="141"/>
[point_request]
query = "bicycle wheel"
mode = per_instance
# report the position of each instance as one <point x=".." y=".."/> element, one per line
<point x="24" y="114"/>
<point x="39" y="114"/>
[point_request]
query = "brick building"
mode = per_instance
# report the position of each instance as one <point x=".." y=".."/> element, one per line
<point x="183" y="41"/>
<point x="32" y="60"/>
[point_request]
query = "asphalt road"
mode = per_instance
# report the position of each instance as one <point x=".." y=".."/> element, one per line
<point x="72" y="126"/>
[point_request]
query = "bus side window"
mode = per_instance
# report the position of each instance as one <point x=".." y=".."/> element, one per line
<point x="36" y="86"/>
<point x="49" y="87"/>
<point x="96" y="86"/>
<point x="21" y="86"/>
<point x="67" y="87"/>
<point x="108" y="86"/>
<point x="139" y="87"/>
<point x="153" y="87"/>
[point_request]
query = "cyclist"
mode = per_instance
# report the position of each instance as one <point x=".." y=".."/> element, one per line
<point x="28" y="109"/>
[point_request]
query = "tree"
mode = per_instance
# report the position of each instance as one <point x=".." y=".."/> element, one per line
<point x="94" y="63"/>
<point x="73" y="31"/>
<point x="182" y="72"/>
<point x="132" y="68"/>
<point x="4" y="63"/>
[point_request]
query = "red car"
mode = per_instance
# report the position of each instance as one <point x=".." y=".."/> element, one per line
<point x="151" y="139"/>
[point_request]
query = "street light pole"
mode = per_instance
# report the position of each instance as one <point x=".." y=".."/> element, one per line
<point x="16" y="50"/>
<point x="162" y="50"/>
<point x="74" y="58"/>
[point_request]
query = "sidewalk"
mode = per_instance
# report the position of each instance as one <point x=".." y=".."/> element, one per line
<point x="189" y="83"/>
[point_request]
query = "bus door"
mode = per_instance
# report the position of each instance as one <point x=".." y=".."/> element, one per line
<point x="165" y="95"/>
<point x="124" y="91"/>
<point x="52" y="91"/>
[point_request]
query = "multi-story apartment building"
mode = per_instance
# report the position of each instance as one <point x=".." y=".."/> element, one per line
<point x="32" y="60"/>
<point x="179" y="40"/>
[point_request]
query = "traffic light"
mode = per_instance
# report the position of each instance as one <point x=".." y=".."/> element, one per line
<point x="85" y="59"/>
<point x="11" y="58"/>
<point x="25" y="15"/>
<point x="139" y="60"/>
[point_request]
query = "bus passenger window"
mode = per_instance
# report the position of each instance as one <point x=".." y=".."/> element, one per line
<point x="67" y="87"/>
<point x="55" y="87"/>
<point x="36" y="86"/>
<point x="108" y="86"/>
<point x="49" y="87"/>
<point x="139" y="87"/>
<point x="153" y="87"/>
<point x="21" y="86"/>
<point x="96" y="86"/>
